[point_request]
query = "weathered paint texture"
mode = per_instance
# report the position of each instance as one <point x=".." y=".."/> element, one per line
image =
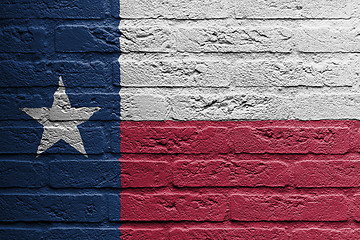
<point x="59" y="141"/>
<point x="239" y="119"/>
<point x="276" y="179"/>
<point x="196" y="78"/>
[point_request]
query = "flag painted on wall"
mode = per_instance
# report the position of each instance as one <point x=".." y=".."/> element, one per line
<point x="192" y="119"/>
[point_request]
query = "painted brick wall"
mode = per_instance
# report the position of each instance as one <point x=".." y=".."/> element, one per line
<point x="59" y="194"/>
<point x="213" y="60"/>
<point x="195" y="75"/>
<point x="201" y="60"/>
<point x="257" y="180"/>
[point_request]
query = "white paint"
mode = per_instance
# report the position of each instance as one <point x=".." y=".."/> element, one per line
<point x="60" y="121"/>
<point x="239" y="60"/>
<point x="242" y="9"/>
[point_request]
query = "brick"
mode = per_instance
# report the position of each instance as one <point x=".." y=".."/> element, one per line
<point x="116" y="73"/>
<point x="22" y="174"/>
<point x="71" y="38"/>
<point x="11" y="104"/>
<point x="235" y="173"/>
<point x="135" y="234"/>
<point x="139" y="107"/>
<point x="288" y="208"/>
<point x="24" y="40"/>
<point x="60" y="9"/>
<point x="326" y="106"/>
<point x="316" y="233"/>
<point x="321" y="39"/>
<point x="113" y="137"/>
<point x="220" y="107"/>
<point x="172" y="9"/>
<point x="284" y="9"/>
<point x="174" y="140"/>
<point x="199" y="39"/>
<point x="356" y="233"/>
<point x="220" y="73"/>
<point x="144" y="173"/>
<point x="80" y="174"/>
<point x="55" y="208"/>
<point x="175" y="73"/>
<point x="263" y="73"/>
<point x="171" y="207"/>
<point x="356" y="203"/>
<point x="30" y="139"/>
<point x="115" y="8"/>
<point x="326" y="174"/>
<point x="325" y="140"/>
<point x="193" y="104"/>
<point x="236" y="40"/>
<point x="43" y="74"/>
<point x="84" y="233"/>
<point x="21" y="233"/>
<point x="93" y="139"/>
<point x="228" y="233"/>
<point x="61" y="233"/>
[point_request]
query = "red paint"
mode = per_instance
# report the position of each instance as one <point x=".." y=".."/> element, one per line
<point x="149" y="139"/>
<point x="263" y="207"/>
<point x="234" y="173"/>
<point x="229" y="234"/>
<point x="357" y="207"/>
<point x="136" y="174"/>
<point x="333" y="234"/>
<point x="173" y="207"/>
<point x="136" y="234"/>
<point x="317" y="174"/>
<point x="274" y="139"/>
<point x="197" y="137"/>
<point x="256" y="180"/>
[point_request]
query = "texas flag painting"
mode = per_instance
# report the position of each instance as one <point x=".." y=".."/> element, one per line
<point x="180" y="119"/>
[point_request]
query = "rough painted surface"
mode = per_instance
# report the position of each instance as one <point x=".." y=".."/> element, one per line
<point x="261" y="180"/>
<point x="244" y="110"/>
<point x="182" y="60"/>
<point x="59" y="154"/>
<point x="239" y="60"/>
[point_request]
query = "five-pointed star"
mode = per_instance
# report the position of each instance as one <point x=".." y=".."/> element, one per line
<point x="61" y="121"/>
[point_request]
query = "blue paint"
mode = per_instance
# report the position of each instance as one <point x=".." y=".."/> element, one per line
<point x="22" y="174"/>
<point x="60" y="194"/>
<point x="53" y="207"/>
<point x="115" y="205"/>
<point x="75" y="174"/>
<point x="61" y="233"/>
<point x="84" y="234"/>
<point x="63" y="9"/>
<point x="19" y="39"/>
<point x="41" y="74"/>
<point x="86" y="39"/>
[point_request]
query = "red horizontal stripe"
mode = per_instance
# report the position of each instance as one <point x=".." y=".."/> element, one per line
<point x="199" y="178"/>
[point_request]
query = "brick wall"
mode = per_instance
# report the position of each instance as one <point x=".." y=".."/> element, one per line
<point x="239" y="119"/>
<point x="210" y="67"/>
<point x="60" y="194"/>
<point x="204" y="60"/>
<point x="257" y="180"/>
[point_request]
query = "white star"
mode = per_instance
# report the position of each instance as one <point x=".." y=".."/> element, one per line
<point x="61" y="121"/>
